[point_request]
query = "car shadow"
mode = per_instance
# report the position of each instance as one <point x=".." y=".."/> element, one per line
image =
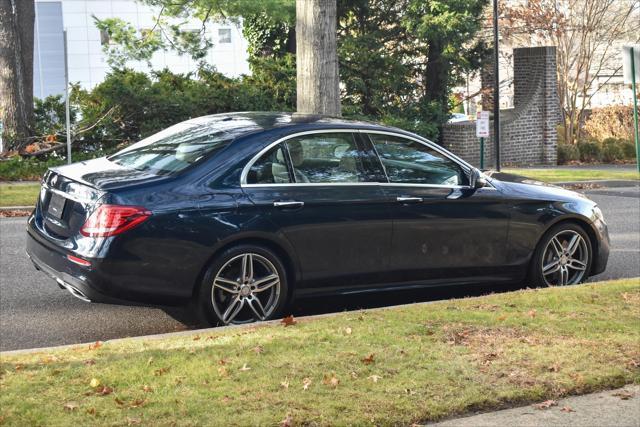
<point x="341" y="303"/>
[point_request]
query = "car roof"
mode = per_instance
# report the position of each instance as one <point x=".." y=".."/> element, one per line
<point x="239" y="124"/>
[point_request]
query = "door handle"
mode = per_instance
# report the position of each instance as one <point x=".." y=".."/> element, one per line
<point x="288" y="205"/>
<point x="407" y="200"/>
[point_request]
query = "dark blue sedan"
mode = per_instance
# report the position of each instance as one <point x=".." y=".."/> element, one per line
<point x="242" y="212"/>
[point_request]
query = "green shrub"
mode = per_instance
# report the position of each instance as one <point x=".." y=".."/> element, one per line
<point x="567" y="153"/>
<point x="590" y="151"/>
<point x="612" y="150"/>
<point x="628" y="149"/>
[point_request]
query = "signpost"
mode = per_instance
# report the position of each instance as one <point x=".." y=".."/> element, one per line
<point x="631" y="71"/>
<point x="66" y="98"/>
<point x="482" y="132"/>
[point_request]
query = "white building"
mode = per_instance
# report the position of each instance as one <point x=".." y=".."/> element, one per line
<point x="86" y="60"/>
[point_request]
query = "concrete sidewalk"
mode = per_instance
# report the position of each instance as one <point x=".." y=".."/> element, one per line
<point x="619" y="408"/>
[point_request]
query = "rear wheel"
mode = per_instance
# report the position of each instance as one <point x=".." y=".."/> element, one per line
<point x="244" y="284"/>
<point x="563" y="257"/>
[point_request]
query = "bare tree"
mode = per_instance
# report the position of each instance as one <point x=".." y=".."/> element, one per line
<point x="588" y="35"/>
<point x="318" y="89"/>
<point x="16" y="68"/>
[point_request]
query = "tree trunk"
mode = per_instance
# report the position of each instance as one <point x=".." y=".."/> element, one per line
<point x="16" y="68"/>
<point x="318" y="90"/>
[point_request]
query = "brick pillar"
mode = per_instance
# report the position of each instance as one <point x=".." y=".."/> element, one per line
<point x="537" y="66"/>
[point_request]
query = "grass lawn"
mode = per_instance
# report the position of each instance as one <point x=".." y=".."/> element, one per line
<point x="381" y="366"/>
<point x="563" y="175"/>
<point x="19" y="195"/>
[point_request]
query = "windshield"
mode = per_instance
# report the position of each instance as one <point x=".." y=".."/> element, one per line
<point x="173" y="149"/>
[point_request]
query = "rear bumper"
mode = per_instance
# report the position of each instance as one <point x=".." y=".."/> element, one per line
<point x="92" y="283"/>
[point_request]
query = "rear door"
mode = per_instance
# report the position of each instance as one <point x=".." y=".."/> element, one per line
<point x="442" y="230"/>
<point x="318" y="191"/>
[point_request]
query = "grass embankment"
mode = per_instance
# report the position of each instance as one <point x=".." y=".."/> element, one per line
<point x="382" y="366"/>
<point x="565" y="175"/>
<point x="19" y="194"/>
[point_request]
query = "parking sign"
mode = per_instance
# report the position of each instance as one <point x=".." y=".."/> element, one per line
<point x="482" y="124"/>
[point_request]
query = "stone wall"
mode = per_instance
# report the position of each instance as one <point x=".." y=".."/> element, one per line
<point x="528" y="133"/>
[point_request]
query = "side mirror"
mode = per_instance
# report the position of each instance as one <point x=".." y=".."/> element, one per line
<point x="476" y="179"/>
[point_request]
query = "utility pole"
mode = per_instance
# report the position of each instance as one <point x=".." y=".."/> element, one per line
<point x="66" y="98"/>
<point x="496" y="86"/>
<point x="318" y="91"/>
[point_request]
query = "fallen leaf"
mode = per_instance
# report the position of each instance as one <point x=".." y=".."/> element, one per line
<point x="368" y="360"/>
<point x="227" y="399"/>
<point x="138" y="403"/>
<point x="147" y="389"/>
<point x="118" y="401"/>
<point x="532" y="313"/>
<point x="196" y="338"/>
<point x="91" y="411"/>
<point x="289" y="321"/>
<point x="624" y="394"/>
<point x="89" y="362"/>
<point x="222" y="362"/>
<point x="258" y="349"/>
<point x="95" y="345"/>
<point x="94" y="382"/>
<point x="287" y="422"/>
<point x="70" y="406"/>
<point x="354" y="375"/>
<point x="133" y="421"/>
<point x="375" y="378"/>
<point x="554" y="368"/>
<point x="104" y="390"/>
<point x="244" y="368"/>
<point x="223" y="372"/>
<point x="284" y="384"/>
<point x="19" y="367"/>
<point x="567" y="409"/>
<point x="331" y="380"/>
<point x="348" y="330"/>
<point x="306" y="383"/>
<point x="502" y="317"/>
<point x="210" y="337"/>
<point x="546" y="404"/>
<point x="161" y="371"/>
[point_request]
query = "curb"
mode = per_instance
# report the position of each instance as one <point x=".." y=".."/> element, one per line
<point x="16" y="208"/>
<point x="206" y="330"/>
<point x="608" y="183"/>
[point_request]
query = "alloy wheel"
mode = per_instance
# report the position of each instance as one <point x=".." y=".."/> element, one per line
<point x="565" y="259"/>
<point x="245" y="289"/>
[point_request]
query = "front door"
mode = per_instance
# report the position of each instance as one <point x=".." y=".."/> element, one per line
<point x="318" y="193"/>
<point x="442" y="230"/>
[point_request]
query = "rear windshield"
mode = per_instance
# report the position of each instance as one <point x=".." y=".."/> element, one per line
<point x="173" y="149"/>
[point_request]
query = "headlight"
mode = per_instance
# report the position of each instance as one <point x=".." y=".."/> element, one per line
<point x="598" y="213"/>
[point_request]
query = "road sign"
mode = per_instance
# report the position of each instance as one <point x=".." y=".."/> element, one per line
<point x="482" y="124"/>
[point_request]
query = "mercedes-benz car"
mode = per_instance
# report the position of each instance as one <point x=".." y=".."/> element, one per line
<point x="240" y="213"/>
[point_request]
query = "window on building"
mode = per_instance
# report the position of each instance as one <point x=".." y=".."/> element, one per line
<point x="224" y="35"/>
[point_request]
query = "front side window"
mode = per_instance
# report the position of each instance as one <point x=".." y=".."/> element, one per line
<point x="407" y="161"/>
<point x="270" y="168"/>
<point x="326" y="158"/>
<point x="173" y="149"/>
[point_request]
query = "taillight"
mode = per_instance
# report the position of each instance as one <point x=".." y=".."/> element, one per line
<point x="109" y="220"/>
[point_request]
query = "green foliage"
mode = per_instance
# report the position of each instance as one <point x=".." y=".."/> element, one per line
<point x="590" y="151"/>
<point x="567" y="153"/>
<point x="50" y="116"/>
<point x="126" y="43"/>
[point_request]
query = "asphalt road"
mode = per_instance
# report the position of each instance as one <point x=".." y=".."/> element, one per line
<point x="34" y="312"/>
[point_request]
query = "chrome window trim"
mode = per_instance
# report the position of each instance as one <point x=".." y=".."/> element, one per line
<point x="464" y="165"/>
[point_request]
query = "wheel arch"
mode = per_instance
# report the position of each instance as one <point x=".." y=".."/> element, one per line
<point x="286" y="256"/>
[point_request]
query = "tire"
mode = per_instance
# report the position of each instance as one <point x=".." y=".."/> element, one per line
<point x="559" y="260"/>
<point x="229" y="296"/>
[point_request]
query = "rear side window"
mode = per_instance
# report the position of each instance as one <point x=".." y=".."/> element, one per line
<point x="173" y="149"/>
<point x="407" y="161"/>
<point x="326" y="158"/>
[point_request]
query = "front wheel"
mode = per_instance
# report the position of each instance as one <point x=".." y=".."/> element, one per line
<point x="244" y="284"/>
<point x="563" y="257"/>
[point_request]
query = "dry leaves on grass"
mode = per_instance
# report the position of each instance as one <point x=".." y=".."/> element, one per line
<point x="96" y="345"/>
<point x="258" y="349"/>
<point x="161" y="371"/>
<point x="287" y="422"/>
<point x="567" y="409"/>
<point x="70" y="406"/>
<point x="331" y="380"/>
<point x="546" y="404"/>
<point x="369" y="359"/>
<point x="289" y="321"/>
<point x="244" y="368"/>
<point x="306" y="383"/>
<point x="14" y="213"/>
<point x="375" y="378"/>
